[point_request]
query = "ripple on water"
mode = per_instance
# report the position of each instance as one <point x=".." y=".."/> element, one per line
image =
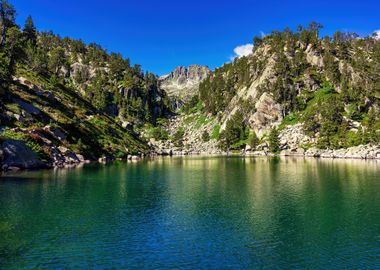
<point x="194" y="213"/>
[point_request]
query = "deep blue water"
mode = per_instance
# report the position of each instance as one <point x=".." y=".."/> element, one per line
<point x="194" y="213"/>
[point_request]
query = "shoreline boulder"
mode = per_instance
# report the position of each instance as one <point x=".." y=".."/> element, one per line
<point x="16" y="154"/>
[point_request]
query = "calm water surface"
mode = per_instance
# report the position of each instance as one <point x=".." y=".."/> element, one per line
<point x="194" y="213"/>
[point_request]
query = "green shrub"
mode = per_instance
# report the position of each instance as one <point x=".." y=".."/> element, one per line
<point x="201" y="121"/>
<point x="158" y="133"/>
<point x="162" y="121"/>
<point x="253" y="140"/>
<point x="178" y="137"/>
<point x="205" y="136"/>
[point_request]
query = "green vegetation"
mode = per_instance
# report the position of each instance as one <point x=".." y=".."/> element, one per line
<point x="205" y="136"/>
<point x="158" y="133"/>
<point x="103" y="103"/>
<point x="178" y="137"/>
<point x="235" y="134"/>
<point x="274" y="141"/>
<point x="79" y="88"/>
<point x="31" y="141"/>
<point x="290" y="119"/>
<point x="201" y="121"/>
<point x="327" y="95"/>
<point x="253" y="140"/>
<point x="215" y="134"/>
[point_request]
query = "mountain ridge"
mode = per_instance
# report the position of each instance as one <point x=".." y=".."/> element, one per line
<point x="183" y="82"/>
<point x="64" y="102"/>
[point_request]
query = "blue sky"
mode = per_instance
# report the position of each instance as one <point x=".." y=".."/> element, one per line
<point x="162" y="34"/>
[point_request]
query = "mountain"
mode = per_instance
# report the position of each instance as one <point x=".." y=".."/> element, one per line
<point x="63" y="101"/>
<point x="183" y="83"/>
<point x="296" y="92"/>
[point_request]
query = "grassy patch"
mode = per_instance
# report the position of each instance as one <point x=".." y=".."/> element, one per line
<point x="197" y="108"/>
<point x="290" y="120"/>
<point x="215" y="134"/>
<point x="158" y="133"/>
<point x="202" y="120"/>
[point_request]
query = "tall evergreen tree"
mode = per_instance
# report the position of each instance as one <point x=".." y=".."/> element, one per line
<point x="274" y="141"/>
<point x="254" y="140"/>
<point x="7" y="19"/>
<point x="30" y="31"/>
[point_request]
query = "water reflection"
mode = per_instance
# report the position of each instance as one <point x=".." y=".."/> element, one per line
<point x="195" y="213"/>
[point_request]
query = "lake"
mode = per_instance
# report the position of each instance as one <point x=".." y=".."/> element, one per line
<point x="194" y="213"/>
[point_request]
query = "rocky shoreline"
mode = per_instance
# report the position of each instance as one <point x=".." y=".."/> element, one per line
<point x="29" y="160"/>
<point x="16" y="155"/>
<point x="364" y="152"/>
<point x="370" y="152"/>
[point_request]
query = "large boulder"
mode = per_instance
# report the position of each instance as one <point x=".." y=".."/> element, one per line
<point x="16" y="154"/>
<point x="29" y="108"/>
<point x="69" y="156"/>
<point x="56" y="133"/>
<point x="293" y="137"/>
<point x="268" y="114"/>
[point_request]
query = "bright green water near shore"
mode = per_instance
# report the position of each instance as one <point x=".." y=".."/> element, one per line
<point x="194" y="213"/>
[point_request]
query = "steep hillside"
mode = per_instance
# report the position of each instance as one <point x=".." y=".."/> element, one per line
<point x="63" y="101"/>
<point x="296" y="91"/>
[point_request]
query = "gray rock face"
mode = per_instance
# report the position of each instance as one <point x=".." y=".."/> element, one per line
<point x="192" y="73"/>
<point x="16" y="154"/>
<point x="56" y="133"/>
<point x="184" y="82"/>
<point x="293" y="137"/>
<point x="268" y="114"/>
<point x="29" y="108"/>
<point x="69" y="156"/>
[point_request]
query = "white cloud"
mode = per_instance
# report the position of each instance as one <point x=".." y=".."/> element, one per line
<point x="377" y="33"/>
<point x="242" y="50"/>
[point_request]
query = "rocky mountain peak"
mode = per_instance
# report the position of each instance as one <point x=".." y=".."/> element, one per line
<point x="183" y="82"/>
<point x="183" y="74"/>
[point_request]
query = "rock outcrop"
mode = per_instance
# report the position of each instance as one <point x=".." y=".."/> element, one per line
<point x="17" y="155"/>
<point x="268" y="114"/>
<point x="183" y="83"/>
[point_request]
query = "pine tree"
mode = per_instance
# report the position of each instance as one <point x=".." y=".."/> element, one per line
<point x="7" y="19"/>
<point x="274" y="141"/>
<point x="254" y="141"/>
<point x="30" y="31"/>
<point x="57" y="60"/>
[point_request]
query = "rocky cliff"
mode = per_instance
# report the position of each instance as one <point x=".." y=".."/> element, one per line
<point x="183" y="83"/>
<point x="318" y="93"/>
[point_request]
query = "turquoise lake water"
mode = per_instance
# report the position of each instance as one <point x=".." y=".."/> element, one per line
<point x="194" y="213"/>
